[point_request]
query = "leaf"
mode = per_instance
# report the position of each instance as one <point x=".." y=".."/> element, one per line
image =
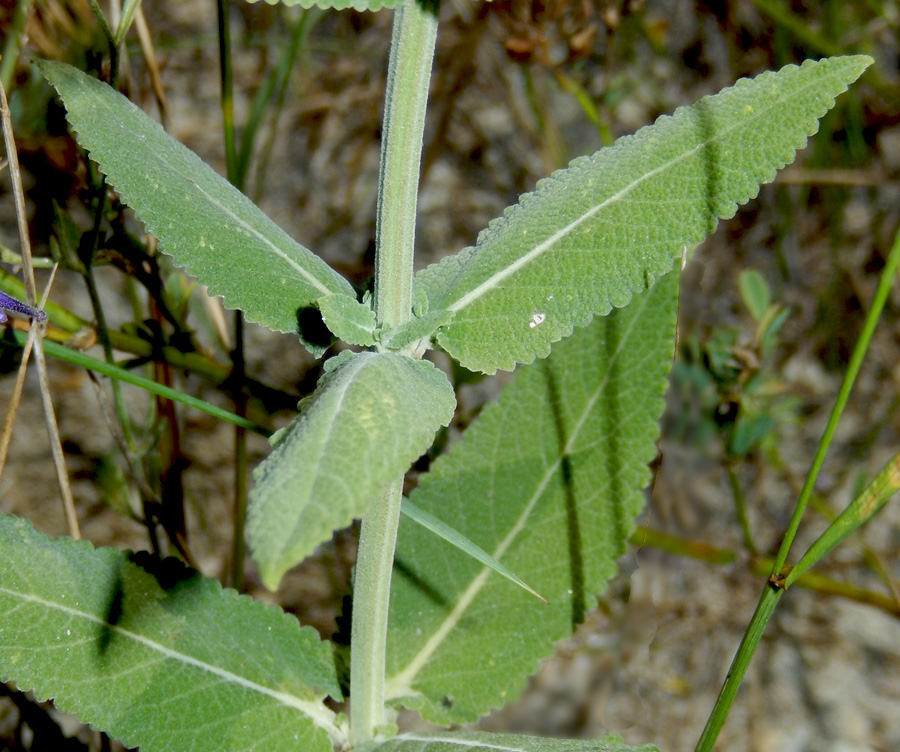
<point x="754" y="292"/>
<point x="547" y="481"/>
<point x="478" y="741"/>
<point x="200" y="219"/>
<point x="415" y="329"/>
<point x="453" y="537"/>
<point x="359" y="5"/>
<point x="349" y="320"/>
<point x="593" y="235"/>
<point x="371" y="416"/>
<point x="188" y="666"/>
<point x="862" y="509"/>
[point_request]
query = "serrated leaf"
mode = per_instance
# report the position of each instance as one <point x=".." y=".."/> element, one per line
<point x="188" y="667"/>
<point x="482" y="741"/>
<point x="348" y="319"/>
<point x="359" y="5"/>
<point x="415" y="329"/>
<point x="594" y="234"/>
<point x="547" y="481"/>
<point x="371" y="416"/>
<point x="200" y="219"/>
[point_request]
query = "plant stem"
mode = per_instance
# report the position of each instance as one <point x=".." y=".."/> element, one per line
<point x="235" y="177"/>
<point x="885" y="283"/>
<point x="740" y="508"/>
<point x="773" y="590"/>
<point x="15" y="33"/>
<point x="409" y="73"/>
<point x="100" y="366"/>
<point x="764" y="610"/>
<point x="371" y="596"/>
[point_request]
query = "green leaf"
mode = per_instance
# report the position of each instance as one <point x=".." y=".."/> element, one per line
<point x="482" y="741"/>
<point x="186" y="665"/>
<point x="454" y="538"/>
<point x="754" y="292"/>
<point x="593" y="235"/>
<point x="415" y="329"/>
<point x="359" y="5"/>
<point x="371" y="416"/>
<point x="862" y="509"/>
<point x="200" y="219"/>
<point x="547" y="481"/>
<point x="349" y="320"/>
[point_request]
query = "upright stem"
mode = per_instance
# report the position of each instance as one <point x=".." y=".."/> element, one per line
<point x="773" y="589"/>
<point x="409" y="73"/>
<point x="371" y="596"/>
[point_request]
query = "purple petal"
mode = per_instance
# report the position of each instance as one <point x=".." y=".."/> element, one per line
<point x="11" y="304"/>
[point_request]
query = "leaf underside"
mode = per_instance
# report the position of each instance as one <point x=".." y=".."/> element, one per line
<point x="548" y="481"/>
<point x="594" y="234"/>
<point x="191" y="667"/>
<point x="481" y="741"/>
<point x="371" y="416"/>
<point x="208" y="226"/>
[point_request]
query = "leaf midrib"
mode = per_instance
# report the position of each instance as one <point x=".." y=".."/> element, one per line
<point x="498" y="278"/>
<point x="312" y="279"/>
<point x="400" y="684"/>
<point x="316" y="712"/>
<point x="457" y="741"/>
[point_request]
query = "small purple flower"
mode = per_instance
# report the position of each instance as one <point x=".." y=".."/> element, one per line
<point x="11" y="304"/>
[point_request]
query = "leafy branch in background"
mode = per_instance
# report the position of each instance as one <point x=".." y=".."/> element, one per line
<point x="578" y="276"/>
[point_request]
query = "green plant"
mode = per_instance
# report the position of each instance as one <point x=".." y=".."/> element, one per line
<point x="547" y="481"/>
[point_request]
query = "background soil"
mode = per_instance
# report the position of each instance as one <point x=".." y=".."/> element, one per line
<point x="650" y="662"/>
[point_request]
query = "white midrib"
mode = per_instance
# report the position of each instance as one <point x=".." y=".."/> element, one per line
<point x="318" y="713"/>
<point x="459" y="741"/>
<point x="540" y="249"/>
<point x="247" y="227"/>
<point x="400" y="685"/>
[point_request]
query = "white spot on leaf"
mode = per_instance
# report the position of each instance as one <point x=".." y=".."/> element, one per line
<point x="536" y="320"/>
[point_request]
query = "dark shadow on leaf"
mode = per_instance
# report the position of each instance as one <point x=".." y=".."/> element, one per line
<point x="113" y="615"/>
<point x="576" y="545"/>
<point x="169" y="572"/>
<point x="711" y="157"/>
<point x="407" y="572"/>
<point x="172" y="575"/>
<point x="613" y="422"/>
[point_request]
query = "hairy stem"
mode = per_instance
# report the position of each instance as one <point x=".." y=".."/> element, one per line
<point x="409" y="72"/>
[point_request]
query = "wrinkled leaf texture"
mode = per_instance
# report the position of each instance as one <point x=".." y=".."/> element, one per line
<point x="201" y="220"/>
<point x="548" y="481"/>
<point x="191" y="667"/>
<point x="371" y="416"/>
<point x="480" y="741"/>
<point x="594" y="234"/>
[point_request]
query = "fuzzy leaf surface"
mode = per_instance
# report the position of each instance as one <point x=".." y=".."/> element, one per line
<point x="482" y="741"/>
<point x="592" y="235"/>
<point x="371" y="416"/>
<point x="190" y="666"/>
<point x="348" y="320"/>
<point x="201" y="220"/>
<point x="548" y="481"/>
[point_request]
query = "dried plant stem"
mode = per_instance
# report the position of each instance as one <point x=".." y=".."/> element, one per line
<point x="25" y="245"/>
<point x="12" y="408"/>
